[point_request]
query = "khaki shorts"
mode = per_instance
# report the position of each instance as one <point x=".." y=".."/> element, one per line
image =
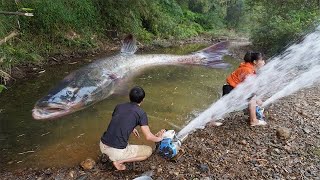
<point x="131" y="151"/>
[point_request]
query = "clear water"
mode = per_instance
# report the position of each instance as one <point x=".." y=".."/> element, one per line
<point x="174" y="96"/>
<point x="296" y="68"/>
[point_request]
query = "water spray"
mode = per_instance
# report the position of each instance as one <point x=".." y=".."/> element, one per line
<point x="296" y="68"/>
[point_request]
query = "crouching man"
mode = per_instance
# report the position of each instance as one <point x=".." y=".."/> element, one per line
<point x="125" y="118"/>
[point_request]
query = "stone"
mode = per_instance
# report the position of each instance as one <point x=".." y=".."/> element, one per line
<point x="206" y="178"/>
<point x="243" y="142"/>
<point x="203" y="168"/>
<point x="159" y="170"/>
<point x="48" y="172"/>
<point x="306" y="130"/>
<point x="88" y="164"/>
<point x="82" y="177"/>
<point x="277" y="151"/>
<point x="72" y="174"/>
<point x="283" y="133"/>
<point x="287" y="148"/>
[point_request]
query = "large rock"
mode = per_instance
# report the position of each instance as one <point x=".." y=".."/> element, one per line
<point x="283" y="133"/>
<point x="88" y="164"/>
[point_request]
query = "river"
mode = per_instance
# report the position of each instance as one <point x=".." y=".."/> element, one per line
<point x="174" y="96"/>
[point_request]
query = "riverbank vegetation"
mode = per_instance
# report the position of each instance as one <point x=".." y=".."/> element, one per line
<point x="59" y="26"/>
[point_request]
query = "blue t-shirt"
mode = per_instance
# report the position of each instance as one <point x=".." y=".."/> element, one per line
<point x="125" y="118"/>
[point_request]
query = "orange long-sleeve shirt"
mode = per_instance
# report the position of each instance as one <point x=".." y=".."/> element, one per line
<point x="240" y="74"/>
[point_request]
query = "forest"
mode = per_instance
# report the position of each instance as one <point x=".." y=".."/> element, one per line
<point x="30" y="31"/>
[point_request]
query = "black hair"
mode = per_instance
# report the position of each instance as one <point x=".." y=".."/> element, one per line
<point x="252" y="56"/>
<point x="247" y="57"/>
<point x="137" y="94"/>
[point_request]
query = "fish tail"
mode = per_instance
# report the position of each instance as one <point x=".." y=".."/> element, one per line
<point x="220" y="46"/>
<point x="212" y="56"/>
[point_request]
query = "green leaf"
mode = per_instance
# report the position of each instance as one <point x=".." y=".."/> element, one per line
<point x="2" y="87"/>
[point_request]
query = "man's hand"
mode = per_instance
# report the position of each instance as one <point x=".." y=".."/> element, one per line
<point x="160" y="133"/>
<point x="136" y="133"/>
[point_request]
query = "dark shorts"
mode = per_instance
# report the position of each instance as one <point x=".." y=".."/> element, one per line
<point x="226" y="89"/>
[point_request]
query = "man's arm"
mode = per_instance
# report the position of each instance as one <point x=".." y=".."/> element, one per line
<point x="149" y="136"/>
<point x="136" y="133"/>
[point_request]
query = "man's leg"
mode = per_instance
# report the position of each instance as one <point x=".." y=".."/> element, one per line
<point x="119" y="165"/>
<point x="134" y="153"/>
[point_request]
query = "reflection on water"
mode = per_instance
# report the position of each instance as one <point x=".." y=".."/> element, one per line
<point x="174" y="95"/>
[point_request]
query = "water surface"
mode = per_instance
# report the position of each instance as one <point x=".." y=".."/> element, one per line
<point x="174" y="96"/>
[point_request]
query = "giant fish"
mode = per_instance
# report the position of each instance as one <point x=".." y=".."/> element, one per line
<point x="100" y="79"/>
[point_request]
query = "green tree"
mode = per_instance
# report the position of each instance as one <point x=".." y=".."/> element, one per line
<point x="278" y="23"/>
<point x="235" y="14"/>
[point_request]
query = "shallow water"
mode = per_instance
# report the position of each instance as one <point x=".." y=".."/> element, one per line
<point x="174" y="96"/>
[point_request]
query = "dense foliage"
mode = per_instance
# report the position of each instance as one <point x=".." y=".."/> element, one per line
<point x="276" y="24"/>
<point x="81" y="24"/>
<point x="63" y="26"/>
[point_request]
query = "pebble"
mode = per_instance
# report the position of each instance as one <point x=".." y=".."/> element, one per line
<point x="10" y="162"/>
<point x="203" y="168"/>
<point x="243" y="142"/>
<point x="306" y="130"/>
<point x="72" y="174"/>
<point x="287" y="148"/>
<point x="277" y="151"/>
<point x="82" y="177"/>
<point x="159" y="170"/>
<point x="48" y="172"/>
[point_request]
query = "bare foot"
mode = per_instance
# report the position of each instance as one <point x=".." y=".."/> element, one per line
<point x="119" y="166"/>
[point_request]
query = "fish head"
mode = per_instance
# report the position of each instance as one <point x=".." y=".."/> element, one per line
<point x="72" y="95"/>
<point x="61" y="101"/>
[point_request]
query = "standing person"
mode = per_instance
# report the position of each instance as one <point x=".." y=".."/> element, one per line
<point x="252" y="62"/>
<point x="125" y="118"/>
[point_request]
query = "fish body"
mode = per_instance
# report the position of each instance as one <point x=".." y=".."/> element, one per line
<point x="99" y="79"/>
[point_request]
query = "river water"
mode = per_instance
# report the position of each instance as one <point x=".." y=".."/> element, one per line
<point x="174" y="96"/>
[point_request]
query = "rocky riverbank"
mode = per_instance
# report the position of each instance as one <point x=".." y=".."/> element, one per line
<point x="287" y="148"/>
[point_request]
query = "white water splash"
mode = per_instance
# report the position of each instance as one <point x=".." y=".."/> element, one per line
<point x="298" y="67"/>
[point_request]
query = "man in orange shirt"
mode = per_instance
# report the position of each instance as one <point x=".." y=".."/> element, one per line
<point x="252" y="62"/>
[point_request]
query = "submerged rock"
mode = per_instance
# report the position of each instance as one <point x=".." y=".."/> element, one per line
<point x="88" y="164"/>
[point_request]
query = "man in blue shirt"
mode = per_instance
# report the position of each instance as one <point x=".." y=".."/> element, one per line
<point x="125" y="117"/>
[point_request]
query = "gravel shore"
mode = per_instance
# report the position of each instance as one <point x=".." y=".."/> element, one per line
<point x="287" y="148"/>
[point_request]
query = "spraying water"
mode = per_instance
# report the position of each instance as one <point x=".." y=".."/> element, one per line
<point x="296" y="68"/>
